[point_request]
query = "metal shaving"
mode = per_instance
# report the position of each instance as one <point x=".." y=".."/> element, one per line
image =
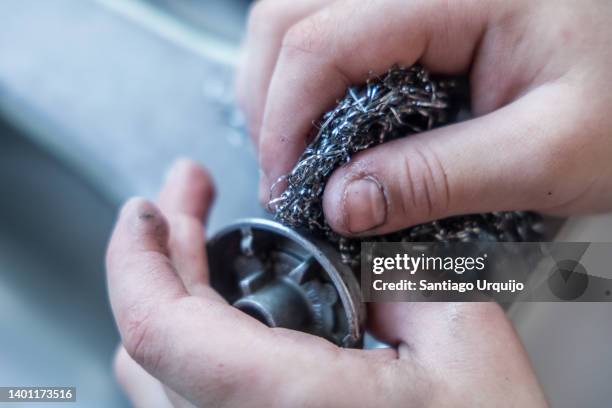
<point x="403" y="101"/>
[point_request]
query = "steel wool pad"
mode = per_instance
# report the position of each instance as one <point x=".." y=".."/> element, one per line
<point x="399" y="103"/>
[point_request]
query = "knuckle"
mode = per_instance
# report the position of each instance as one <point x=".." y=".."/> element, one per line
<point x="564" y="140"/>
<point x="224" y="379"/>
<point x="425" y="192"/>
<point x="305" y="37"/>
<point x="141" y="340"/>
<point x="199" y="179"/>
<point x="265" y="16"/>
<point x="224" y="385"/>
<point x="558" y="169"/>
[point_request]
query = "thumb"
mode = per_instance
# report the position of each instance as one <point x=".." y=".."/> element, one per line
<point x="506" y="160"/>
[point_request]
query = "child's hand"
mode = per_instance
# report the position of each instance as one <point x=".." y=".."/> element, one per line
<point x="541" y="88"/>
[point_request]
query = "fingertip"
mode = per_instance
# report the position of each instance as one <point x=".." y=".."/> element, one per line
<point x="188" y="171"/>
<point x="143" y="216"/>
<point x="188" y="189"/>
<point x="268" y="191"/>
<point x="137" y="205"/>
<point x="355" y="202"/>
<point x="141" y="225"/>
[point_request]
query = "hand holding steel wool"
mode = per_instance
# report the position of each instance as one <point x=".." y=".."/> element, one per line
<point x="539" y="137"/>
<point x="401" y="102"/>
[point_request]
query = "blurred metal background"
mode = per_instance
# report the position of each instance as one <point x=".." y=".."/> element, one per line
<point x="97" y="98"/>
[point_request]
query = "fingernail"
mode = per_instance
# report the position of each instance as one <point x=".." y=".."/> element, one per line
<point x="142" y="216"/>
<point x="365" y="206"/>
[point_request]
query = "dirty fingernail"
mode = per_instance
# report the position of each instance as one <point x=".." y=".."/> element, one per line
<point x="364" y="205"/>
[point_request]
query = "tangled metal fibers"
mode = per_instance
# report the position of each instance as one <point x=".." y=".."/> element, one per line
<point x="401" y="102"/>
